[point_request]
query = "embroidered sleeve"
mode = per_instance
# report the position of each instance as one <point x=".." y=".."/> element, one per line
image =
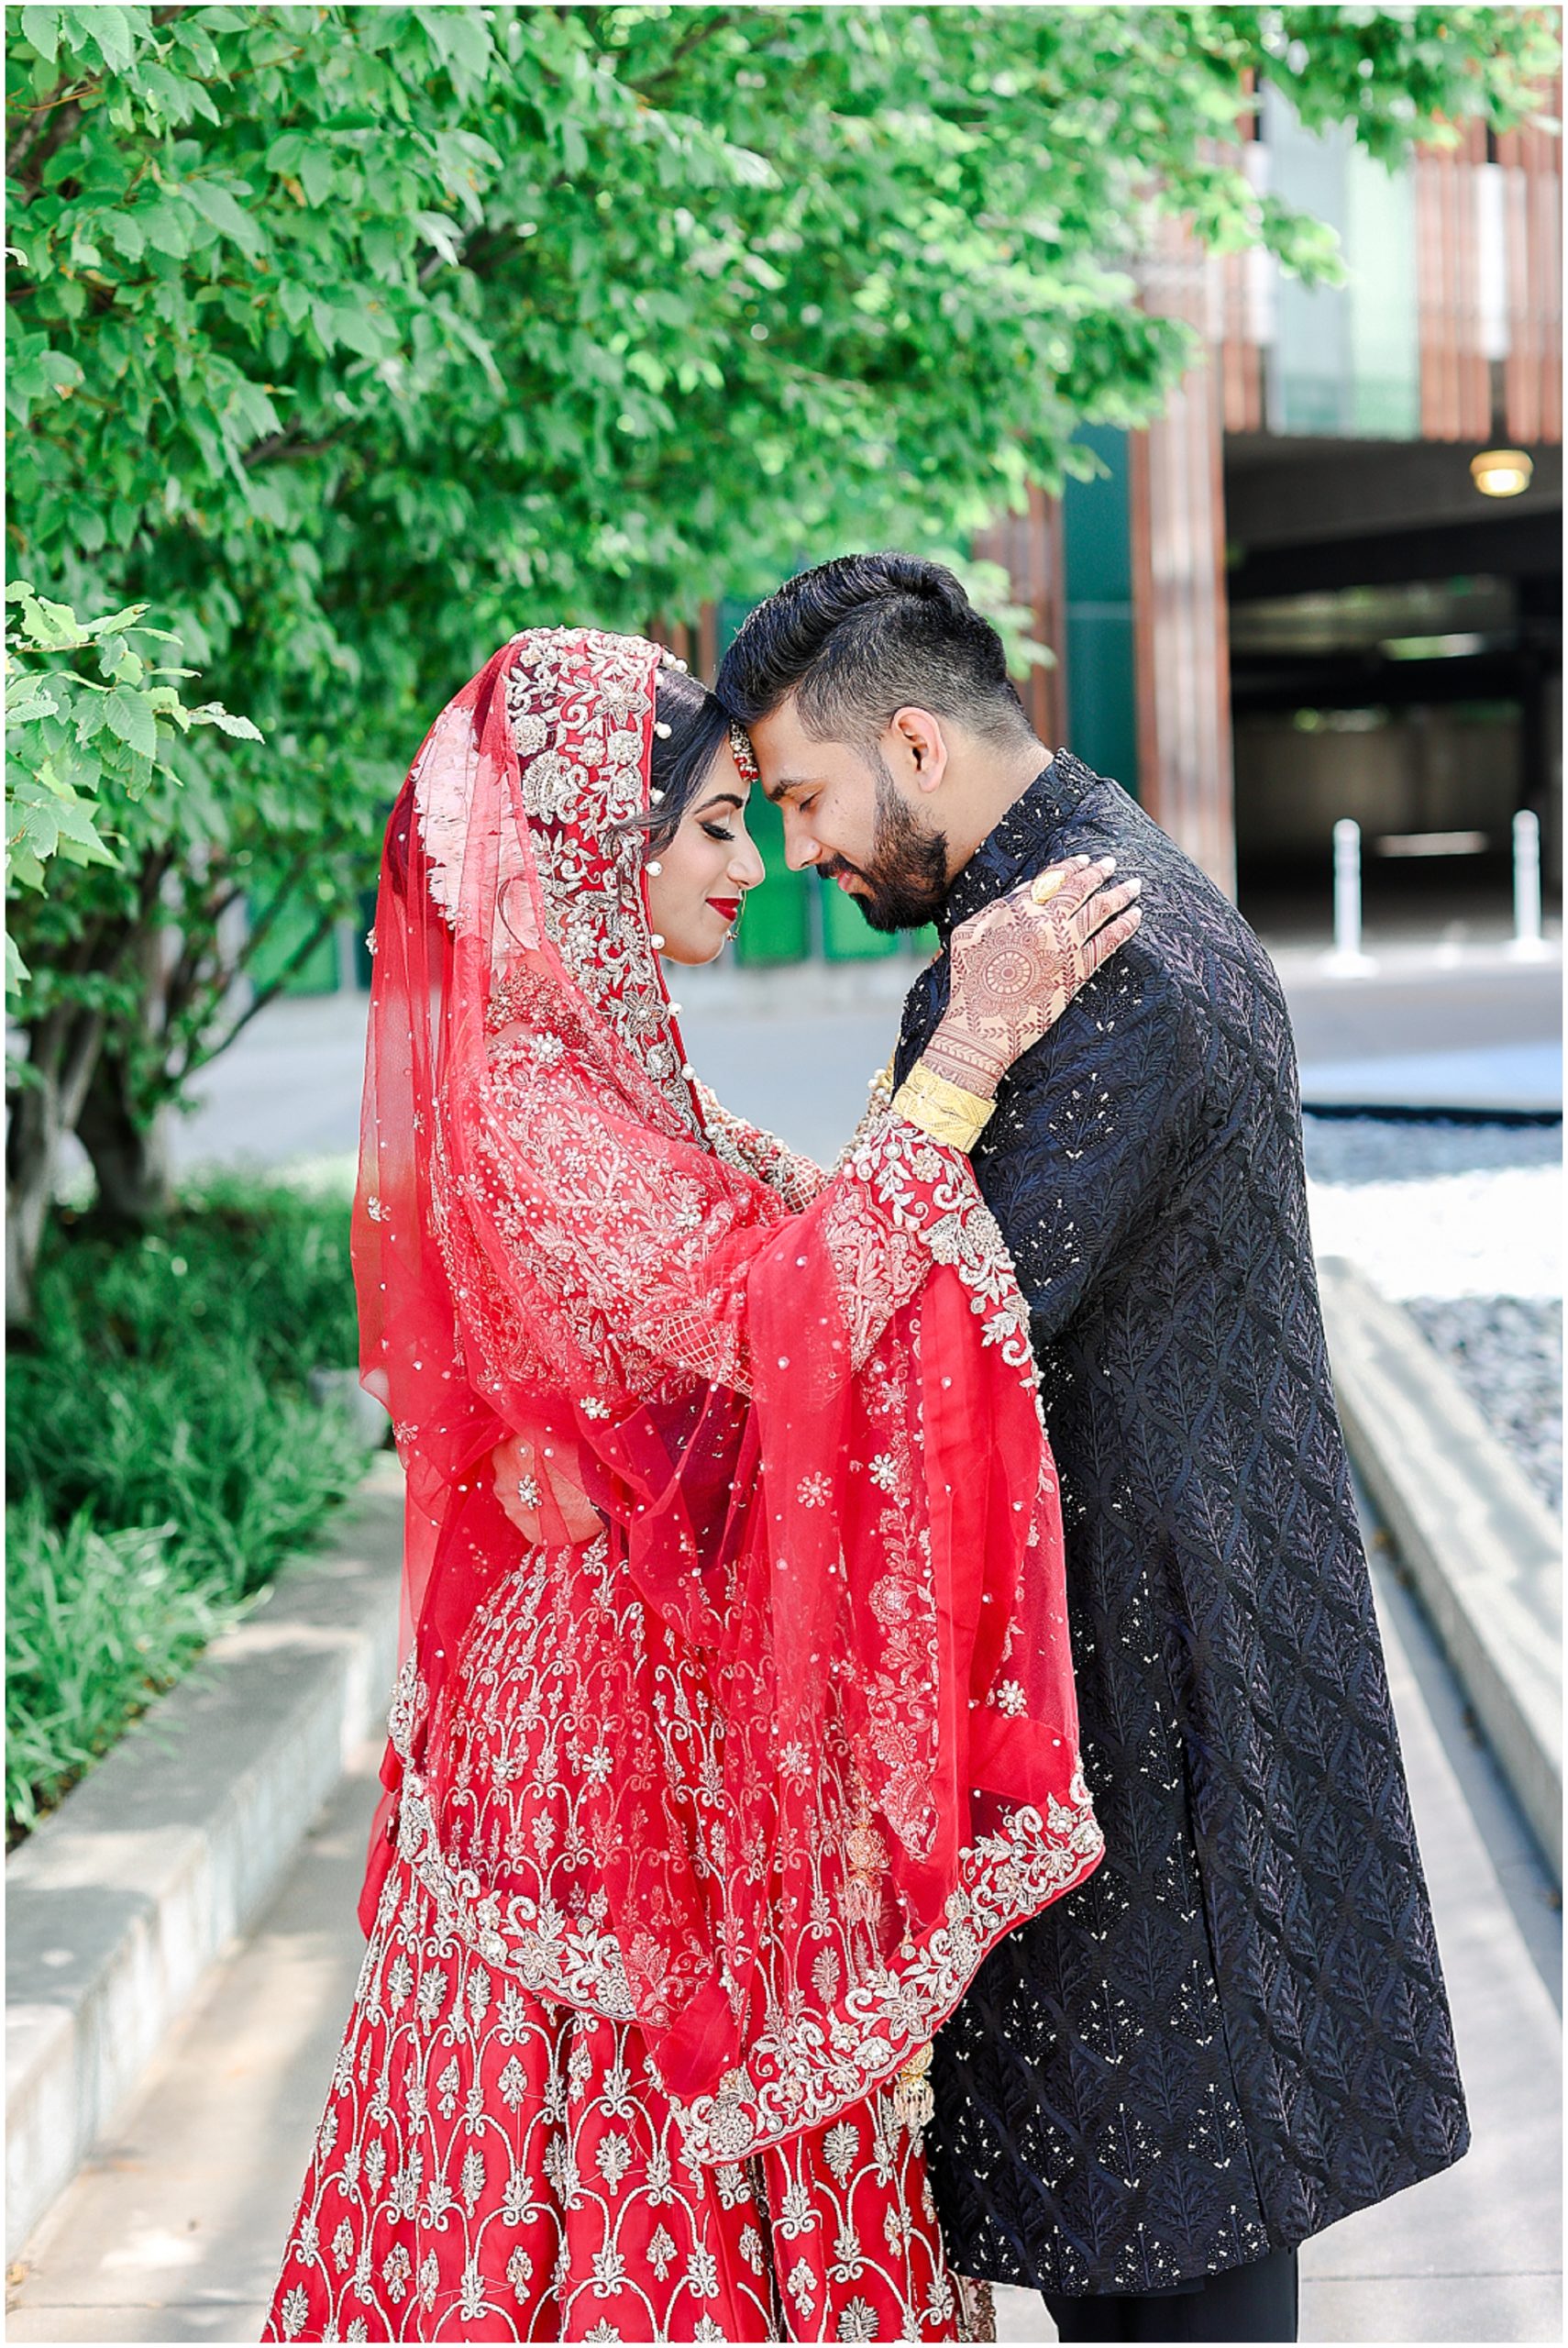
<point x="878" y="1099"/>
<point x="796" y="1179"/>
<point x="1093" y="1131"/>
<point x="614" y="1280"/>
<point x="928" y="1193"/>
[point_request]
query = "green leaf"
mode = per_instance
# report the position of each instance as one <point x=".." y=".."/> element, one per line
<point x="41" y="26"/>
<point x="358" y="330"/>
<point x="52" y="627"/>
<point x="227" y="214"/>
<point x="128" y="717"/>
<point x="461" y="38"/>
<point x="166" y="227"/>
<point x="119" y="664"/>
<point x="32" y="699"/>
<point x="124" y="232"/>
<point x="110" y="29"/>
<point x="440" y="233"/>
<point x="213" y="712"/>
<point x="75" y="821"/>
<point x="317" y="172"/>
<point x="118" y="622"/>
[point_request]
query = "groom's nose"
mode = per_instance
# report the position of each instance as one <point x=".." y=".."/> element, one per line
<point x="802" y="847"/>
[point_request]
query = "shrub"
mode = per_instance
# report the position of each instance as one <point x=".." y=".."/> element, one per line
<point x="165" y="1458"/>
<point x="97" y="1625"/>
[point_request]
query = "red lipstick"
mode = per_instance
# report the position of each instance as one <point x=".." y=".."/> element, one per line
<point x="727" y="908"/>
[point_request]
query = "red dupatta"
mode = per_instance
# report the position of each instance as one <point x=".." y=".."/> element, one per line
<point x="814" y="1437"/>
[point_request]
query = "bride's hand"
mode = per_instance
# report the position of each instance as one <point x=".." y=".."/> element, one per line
<point x="547" y="1508"/>
<point x="1017" y="964"/>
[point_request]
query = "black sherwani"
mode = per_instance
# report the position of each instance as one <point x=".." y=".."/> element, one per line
<point x="1236" y="2030"/>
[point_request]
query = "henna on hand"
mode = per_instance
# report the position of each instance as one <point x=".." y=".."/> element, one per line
<point x="1017" y="964"/>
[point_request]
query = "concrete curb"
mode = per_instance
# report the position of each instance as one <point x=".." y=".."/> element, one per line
<point x="122" y="1899"/>
<point x="1484" y="1552"/>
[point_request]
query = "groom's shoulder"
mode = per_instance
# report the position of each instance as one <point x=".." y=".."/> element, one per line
<point x="1192" y="936"/>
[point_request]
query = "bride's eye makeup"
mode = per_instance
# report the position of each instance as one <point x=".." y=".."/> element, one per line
<point x="715" y="829"/>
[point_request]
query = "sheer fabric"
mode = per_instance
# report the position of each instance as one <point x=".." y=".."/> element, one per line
<point x="798" y="1739"/>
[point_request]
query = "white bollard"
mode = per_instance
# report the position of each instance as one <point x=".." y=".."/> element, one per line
<point x="1347" y="960"/>
<point x="1528" y="943"/>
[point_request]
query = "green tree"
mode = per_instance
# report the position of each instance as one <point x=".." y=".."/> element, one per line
<point x="91" y="784"/>
<point x="353" y="338"/>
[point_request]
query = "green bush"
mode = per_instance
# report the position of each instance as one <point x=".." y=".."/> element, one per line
<point x="97" y="1625"/>
<point x="165" y="1458"/>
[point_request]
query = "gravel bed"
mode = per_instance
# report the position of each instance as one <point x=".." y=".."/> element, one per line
<point x="1400" y="1149"/>
<point x="1463" y="1225"/>
<point x="1506" y="1352"/>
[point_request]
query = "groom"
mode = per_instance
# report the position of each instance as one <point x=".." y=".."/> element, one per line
<point x="1236" y="2032"/>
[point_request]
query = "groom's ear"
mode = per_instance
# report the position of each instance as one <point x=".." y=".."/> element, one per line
<point x="916" y="745"/>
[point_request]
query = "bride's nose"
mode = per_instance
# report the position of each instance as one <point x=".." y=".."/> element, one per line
<point x="746" y="865"/>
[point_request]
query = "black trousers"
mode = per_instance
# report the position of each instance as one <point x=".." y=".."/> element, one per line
<point x="1254" y="2302"/>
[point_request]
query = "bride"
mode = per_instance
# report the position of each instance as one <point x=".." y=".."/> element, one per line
<point x="736" y="1721"/>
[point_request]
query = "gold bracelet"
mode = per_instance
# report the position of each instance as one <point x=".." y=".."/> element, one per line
<point x="943" y="1110"/>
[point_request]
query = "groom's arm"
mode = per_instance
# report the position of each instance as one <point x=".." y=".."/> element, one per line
<point x="1092" y="1129"/>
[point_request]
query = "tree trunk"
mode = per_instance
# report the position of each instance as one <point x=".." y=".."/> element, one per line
<point x="131" y="1158"/>
<point x="62" y="1051"/>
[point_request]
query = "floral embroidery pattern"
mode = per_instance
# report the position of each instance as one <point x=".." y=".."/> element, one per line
<point x="797" y="1180"/>
<point x="490" y="2167"/>
<point x="527" y="1690"/>
<point x="913" y="1178"/>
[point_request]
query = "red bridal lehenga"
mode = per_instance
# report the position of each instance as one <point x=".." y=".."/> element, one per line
<point x="697" y="1828"/>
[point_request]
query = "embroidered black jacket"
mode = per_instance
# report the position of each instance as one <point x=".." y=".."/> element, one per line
<point x="1236" y="2032"/>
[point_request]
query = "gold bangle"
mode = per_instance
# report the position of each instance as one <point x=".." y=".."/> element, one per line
<point x="943" y="1110"/>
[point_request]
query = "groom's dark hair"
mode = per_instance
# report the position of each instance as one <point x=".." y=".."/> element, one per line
<point x="864" y="636"/>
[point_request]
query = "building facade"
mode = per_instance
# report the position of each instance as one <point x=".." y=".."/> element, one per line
<point x="1286" y="600"/>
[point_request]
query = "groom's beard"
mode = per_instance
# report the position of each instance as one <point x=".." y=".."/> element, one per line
<point x="906" y="878"/>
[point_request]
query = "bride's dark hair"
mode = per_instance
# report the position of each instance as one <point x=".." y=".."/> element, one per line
<point x="682" y="758"/>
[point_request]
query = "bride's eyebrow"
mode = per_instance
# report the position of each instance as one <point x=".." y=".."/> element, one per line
<point x="721" y="799"/>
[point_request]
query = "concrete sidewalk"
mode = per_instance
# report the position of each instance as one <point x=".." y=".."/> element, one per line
<point x="174" y="2229"/>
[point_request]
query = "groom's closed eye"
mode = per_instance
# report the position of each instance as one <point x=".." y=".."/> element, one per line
<point x="792" y="787"/>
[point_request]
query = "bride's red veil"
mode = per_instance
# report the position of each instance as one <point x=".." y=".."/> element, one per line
<point x="814" y="1437"/>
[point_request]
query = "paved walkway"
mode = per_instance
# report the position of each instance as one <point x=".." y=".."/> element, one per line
<point x="173" y="2231"/>
<point x="794" y="1049"/>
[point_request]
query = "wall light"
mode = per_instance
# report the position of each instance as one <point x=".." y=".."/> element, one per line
<point x="1501" y="472"/>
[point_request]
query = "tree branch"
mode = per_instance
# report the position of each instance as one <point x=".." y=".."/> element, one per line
<point x="708" y="22"/>
<point x="198" y="1058"/>
<point x="263" y="927"/>
<point x="279" y="448"/>
<point x="52" y="133"/>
